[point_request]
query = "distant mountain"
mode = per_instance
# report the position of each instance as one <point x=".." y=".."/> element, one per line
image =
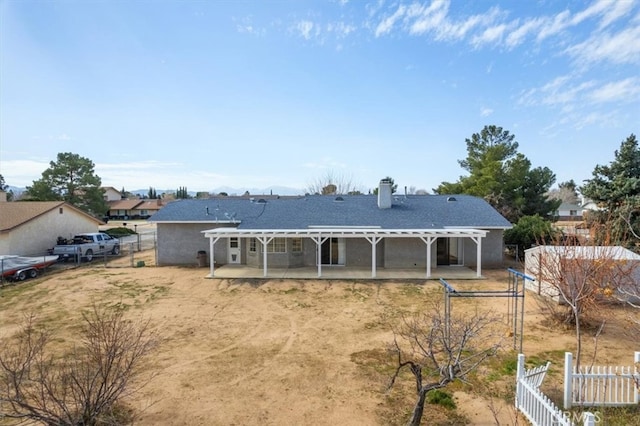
<point x="275" y="190"/>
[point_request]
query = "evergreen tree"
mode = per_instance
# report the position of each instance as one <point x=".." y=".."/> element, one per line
<point x="503" y="176"/>
<point x="71" y="178"/>
<point x="616" y="189"/>
<point x="5" y="188"/>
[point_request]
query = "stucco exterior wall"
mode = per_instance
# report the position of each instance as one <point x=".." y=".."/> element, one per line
<point x="37" y="236"/>
<point x="407" y="253"/>
<point x="179" y="244"/>
<point x="277" y="260"/>
<point x="492" y="250"/>
<point x="359" y="252"/>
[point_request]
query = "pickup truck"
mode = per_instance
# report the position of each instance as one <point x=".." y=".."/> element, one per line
<point x="86" y="246"/>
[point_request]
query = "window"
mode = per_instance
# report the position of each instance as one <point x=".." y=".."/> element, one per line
<point x="573" y="212"/>
<point x="277" y="245"/>
<point x="296" y="244"/>
<point x="252" y="245"/>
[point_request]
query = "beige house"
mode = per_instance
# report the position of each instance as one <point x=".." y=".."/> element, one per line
<point x="30" y="228"/>
<point x="133" y="209"/>
<point x="111" y="194"/>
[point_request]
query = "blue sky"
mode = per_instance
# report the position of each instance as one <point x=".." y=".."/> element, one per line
<point x="252" y="94"/>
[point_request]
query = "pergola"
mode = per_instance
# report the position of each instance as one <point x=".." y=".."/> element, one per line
<point x="320" y="234"/>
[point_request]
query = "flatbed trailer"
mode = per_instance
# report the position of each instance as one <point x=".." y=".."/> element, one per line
<point x="19" y="268"/>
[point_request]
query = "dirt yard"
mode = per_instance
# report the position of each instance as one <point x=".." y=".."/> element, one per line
<point x="282" y="352"/>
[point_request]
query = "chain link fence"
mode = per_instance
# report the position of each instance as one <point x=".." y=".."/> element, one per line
<point x="136" y="250"/>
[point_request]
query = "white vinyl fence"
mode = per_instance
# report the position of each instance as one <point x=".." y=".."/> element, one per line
<point x="535" y="405"/>
<point x="604" y="386"/>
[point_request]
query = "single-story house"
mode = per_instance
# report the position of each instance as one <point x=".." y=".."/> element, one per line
<point x="111" y="194"/>
<point x="386" y="231"/>
<point x="30" y="228"/>
<point x="133" y="209"/>
<point x="569" y="212"/>
<point x="614" y="268"/>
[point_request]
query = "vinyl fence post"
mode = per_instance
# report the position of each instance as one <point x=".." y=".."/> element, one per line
<point x="588" y="419"/>
<point x="636" y="364"/>
<point x="568" y="379"/>
<point x="519" y="377"/>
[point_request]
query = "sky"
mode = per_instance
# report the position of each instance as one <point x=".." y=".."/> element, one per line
<point x="256" y="94"/>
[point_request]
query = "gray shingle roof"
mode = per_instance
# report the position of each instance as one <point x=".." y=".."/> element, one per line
<point x="407" y="212"/>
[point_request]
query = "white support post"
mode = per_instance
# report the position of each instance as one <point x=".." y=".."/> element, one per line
<point x="374" y="242"/>
<point x="479" y="257"/>
<point x="519" y="375"/>
<point x="264" y="241"/>
<point x="588" y="419"/>
<point x="428" y="241"/>
<point x="212" y="243"/>
<point x="568" y="380"/>
<point x="636" y="364"/>
<point x="319" y="240"/>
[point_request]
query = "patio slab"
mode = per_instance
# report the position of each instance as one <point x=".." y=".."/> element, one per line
<point x="343" y="272"/>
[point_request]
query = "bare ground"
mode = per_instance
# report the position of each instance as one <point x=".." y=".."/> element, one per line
<point x="280" y="352"/>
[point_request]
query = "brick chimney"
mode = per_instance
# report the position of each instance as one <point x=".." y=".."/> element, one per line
<point x="384" y="194"/>
<point x="3" y="197"/>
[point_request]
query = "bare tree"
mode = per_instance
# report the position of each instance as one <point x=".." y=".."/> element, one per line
<point x="577" y="280"/>
<point x="332" y="183"/>
<point x="86" y="386"/>
<point x="439" y="350"/>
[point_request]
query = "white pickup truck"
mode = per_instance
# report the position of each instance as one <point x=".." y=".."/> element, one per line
<point x="86" y="246"/>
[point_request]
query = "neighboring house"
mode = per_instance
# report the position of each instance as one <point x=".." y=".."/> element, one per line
<point x="30" y="228"/>
<point x="133" y="209"/>
<point x="386" y="231"/>
<point x="569" y="212"/>
<point x="111" y="194"/>
<point x="613" y="264"/>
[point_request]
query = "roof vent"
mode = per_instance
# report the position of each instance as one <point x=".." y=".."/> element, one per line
<point x="451" y="199"/>
<point x="338" y="199"/>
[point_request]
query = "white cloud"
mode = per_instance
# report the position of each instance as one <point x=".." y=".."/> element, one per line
<point x="305" y="29"/>
<point x="428" y="18"/>
<point x="63" y="137"/>
<point x="485" y="112"/>
<point x="491" y="35"/>
<point x="627" y="90"/>
<point x="340" y="29"/>
<point x="517" y="36"/>
<point x="22" y="173"/>
<point x="387" y="24"/>
<point x="595" y="9"/>
<point x="621" y="48"/>
<point x="552" y="26"/>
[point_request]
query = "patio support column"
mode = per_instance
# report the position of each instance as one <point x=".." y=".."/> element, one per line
<point x="264" y="241"/>
<point x="319" y="240"/>
<point x="374" y="242"/>
<point x="428" y="241"/>
<point x="479" y="257"/>
<point x="212" y="243"/>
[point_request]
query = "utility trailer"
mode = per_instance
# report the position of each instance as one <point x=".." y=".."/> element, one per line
<point x="19" y="268"/>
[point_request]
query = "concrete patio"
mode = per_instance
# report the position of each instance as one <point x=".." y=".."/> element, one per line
<point x="343" y="272"/>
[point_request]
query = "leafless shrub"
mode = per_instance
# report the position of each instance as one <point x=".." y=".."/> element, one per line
<point x="86" y="386"/>
<point x="438" y="350"/>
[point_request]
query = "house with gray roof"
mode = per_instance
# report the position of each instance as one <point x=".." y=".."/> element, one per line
<point x="384" y="231"/>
